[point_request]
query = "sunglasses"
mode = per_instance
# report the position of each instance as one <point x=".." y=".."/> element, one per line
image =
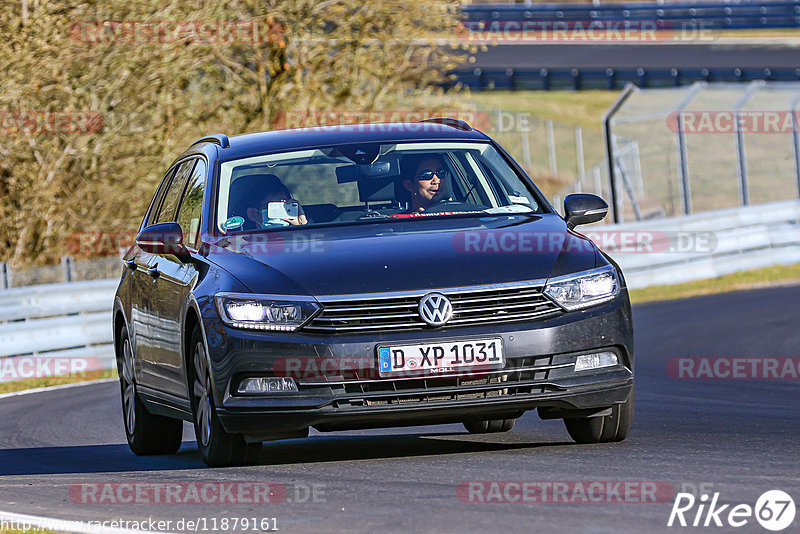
<point x="428" y="175"/>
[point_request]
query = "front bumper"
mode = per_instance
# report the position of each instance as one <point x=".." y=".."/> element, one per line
<point x="539" y="373"/>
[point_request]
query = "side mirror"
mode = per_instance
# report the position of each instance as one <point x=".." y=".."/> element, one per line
<point x="581" y="208"/>
<point x="163" y="238"/>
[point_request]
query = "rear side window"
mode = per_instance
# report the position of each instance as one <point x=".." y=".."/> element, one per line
<point x="191" y="210"/>
<point x="173" y="195"/>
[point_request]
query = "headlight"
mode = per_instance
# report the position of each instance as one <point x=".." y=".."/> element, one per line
<point x="266" y="312"/>
<point x="576" y="291"/>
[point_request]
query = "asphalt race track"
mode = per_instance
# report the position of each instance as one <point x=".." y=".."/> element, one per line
<point x="736" y="437"/>
<point x="634" y="55"/>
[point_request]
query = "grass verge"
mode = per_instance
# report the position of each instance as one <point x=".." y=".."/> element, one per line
<point x="769" y="276"/>
<point x="576" y="108"/>
<point x="35" y="383"/>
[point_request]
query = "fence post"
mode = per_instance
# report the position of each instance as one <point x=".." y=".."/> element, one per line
<point x="744" y="189"/>
<point x="579" y="152"/>
<point x="683" y="158"/>
<point x="610" y="162"/>
<point x="66" y="268"/>
<point x="5" y="275"/>
<point x="796" y="139"/>
<point x="522" y="122"/>
<point x="598" y="184"/>
<point x="683" y="168"/>
<point x="741" y="160"/>
<point x="551" y="148"/>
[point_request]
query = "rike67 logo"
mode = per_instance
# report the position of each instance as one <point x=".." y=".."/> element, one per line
<point x="774" y="510"/>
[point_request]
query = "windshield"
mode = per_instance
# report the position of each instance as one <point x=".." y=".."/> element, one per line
<point x="362" y="183"/>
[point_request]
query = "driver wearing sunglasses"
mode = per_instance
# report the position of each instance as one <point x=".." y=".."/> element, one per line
<point x="427" y="186"/>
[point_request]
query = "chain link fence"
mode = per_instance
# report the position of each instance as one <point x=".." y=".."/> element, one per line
<point x="705" y="147"/>
<point x="553" y="153"/>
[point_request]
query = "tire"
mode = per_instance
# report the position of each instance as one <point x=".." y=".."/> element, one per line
<point x="488" y="426"/>
<point x="147" y="434"/>
<point x="606" y="429"/>
<point x="218" y="447"/>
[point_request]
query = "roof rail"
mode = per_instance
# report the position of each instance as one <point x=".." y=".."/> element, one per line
<point x="447" y="121"/>
<point x="220" y="139"/>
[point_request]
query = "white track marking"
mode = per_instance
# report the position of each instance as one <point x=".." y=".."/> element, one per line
<point x="53" y="388"/>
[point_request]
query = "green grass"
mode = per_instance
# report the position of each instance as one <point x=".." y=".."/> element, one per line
<point x="779" y="274"/>
<point x="35" y="383"/>
<point x="576" y="108"/>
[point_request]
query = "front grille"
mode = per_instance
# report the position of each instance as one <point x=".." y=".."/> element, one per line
<point x="522" y="376"/>
<point x="485" y="305"/>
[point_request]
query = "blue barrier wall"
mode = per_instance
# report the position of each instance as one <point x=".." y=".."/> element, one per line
<point x="713" y="15"/>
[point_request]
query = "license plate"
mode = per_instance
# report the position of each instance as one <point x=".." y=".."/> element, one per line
<point x="442" y="357"/>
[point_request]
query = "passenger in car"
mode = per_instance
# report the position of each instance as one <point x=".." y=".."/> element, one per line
<point x="250" y="196"/>
<point x="425" y="180"/>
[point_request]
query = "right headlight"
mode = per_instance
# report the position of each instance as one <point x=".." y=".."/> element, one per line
<point x="265" y="312"/>
<point x="581" y="290"/>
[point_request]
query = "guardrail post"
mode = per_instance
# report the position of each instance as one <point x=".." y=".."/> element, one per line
<point x="66" y="268"/>
<point x="544" y="74"/>
<point x="5" y="274"/>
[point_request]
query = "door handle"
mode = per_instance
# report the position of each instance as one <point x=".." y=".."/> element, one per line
<point x="131" y="264"/>
<point x="153" y="272"/>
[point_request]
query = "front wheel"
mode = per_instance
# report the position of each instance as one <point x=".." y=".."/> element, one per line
<point x="147" y="434"/>
<point x="605" y="429"/>
<point x="218" y="447"/>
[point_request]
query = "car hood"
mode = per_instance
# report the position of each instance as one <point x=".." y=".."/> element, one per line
<point x="407" y="255"/>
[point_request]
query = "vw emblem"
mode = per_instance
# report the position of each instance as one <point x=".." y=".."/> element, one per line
<point x="435" y="309"/>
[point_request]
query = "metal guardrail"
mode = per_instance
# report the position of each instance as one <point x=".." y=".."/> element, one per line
<point x="56" y="323"/>
<point x="712" y="15"/>
<point x="745" y="238"/>
<point x="510" y="79"/>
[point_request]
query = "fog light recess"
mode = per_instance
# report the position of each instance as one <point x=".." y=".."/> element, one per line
<point x="585" y="362"/>
<point x="267" y="385"/>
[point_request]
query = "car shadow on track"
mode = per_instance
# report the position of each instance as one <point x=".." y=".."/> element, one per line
<point x="313" y="450"/>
